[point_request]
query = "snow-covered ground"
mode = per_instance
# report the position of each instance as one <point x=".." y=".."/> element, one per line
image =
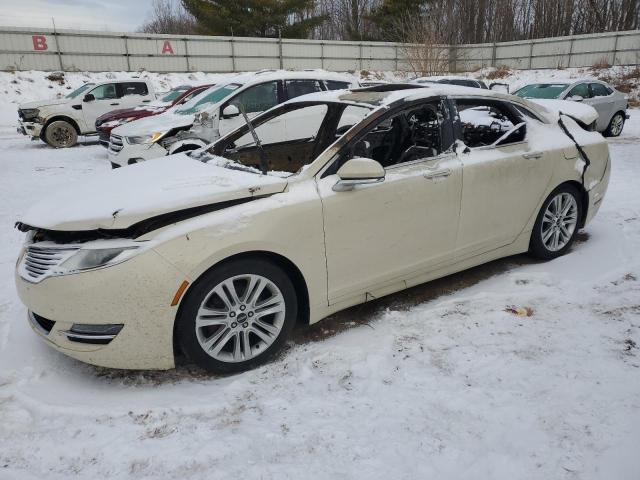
<point x="437" y="382"/>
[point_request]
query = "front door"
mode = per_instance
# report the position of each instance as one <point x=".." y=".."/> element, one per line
<point x="107" y="97"/>
<point x="380" y="235"/>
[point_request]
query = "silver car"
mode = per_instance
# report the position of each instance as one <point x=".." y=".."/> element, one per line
<point x="610" y="104"/>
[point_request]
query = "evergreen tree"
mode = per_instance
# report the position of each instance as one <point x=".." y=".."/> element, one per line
<point x="390" y="13"/>
<point x="254" y="18"/>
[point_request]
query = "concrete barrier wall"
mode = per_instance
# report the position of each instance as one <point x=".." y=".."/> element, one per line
<point x="79" y="50"/>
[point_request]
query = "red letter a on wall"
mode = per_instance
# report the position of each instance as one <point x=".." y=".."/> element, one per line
<point x="166" y="47"/>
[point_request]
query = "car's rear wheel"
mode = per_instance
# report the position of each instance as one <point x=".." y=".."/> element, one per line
<point x="557" y="223"/>
<point x="615" y="125"/>
<point x="237" y="315"/>
<point x="61" y="134"/>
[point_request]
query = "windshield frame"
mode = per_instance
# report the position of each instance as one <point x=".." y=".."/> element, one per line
<point x="543" y="85"/>
<point x="217" y="148"/>
<point x="189" y="108"/>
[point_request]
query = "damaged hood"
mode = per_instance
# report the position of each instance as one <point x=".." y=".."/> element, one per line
<point x="121" y="198"/>
<point x="582" y="112"/>
<point x="157" y="123"/>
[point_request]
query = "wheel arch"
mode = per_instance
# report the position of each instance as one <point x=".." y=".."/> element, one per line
<point x="584" y="199"/>
<point x="292" y="271"/>
<point x="65" y="118"/>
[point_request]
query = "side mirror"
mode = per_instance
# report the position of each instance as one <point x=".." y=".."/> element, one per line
<point x="89" y="97"/>
<point x="358" y="171"/>
<point x="230" y="111"/>
<point x="499" y="87"/>
<point x="576" y="98"/>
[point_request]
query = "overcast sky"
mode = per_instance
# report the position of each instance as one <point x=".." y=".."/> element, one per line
<point x="113" y="15"/>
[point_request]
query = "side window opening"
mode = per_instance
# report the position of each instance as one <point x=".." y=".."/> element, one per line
<point x="258" y="98"/>
<point x="483" y="122"/>
<point x="336" y="85"/>
<point x="599" y="90"/>
<point x="135" y="88"/>
<point x="582" y="90"/>
<point x="297" y="88"/>
<point x="105" y="92"/>
<point x="412" y="134"/>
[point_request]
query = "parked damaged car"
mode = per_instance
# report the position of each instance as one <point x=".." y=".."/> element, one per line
<point x="60" y="121"/>
<point x="216" y="112"/>
<point x="218" y="252"/>
<point x="176" y="96"/>
<point x="610" y="104"/>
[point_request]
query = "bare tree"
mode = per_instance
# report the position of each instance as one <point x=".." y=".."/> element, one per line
<point x="169" y="17"/>
<point x="421" y="44"/>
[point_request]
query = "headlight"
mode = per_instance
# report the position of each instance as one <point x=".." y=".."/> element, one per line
<point x="146" y="139"/>
<point x="29" y="113"/>
<point x="86" y="259"/>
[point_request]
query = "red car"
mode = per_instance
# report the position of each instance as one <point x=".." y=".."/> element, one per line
<point x="176" y="96"/>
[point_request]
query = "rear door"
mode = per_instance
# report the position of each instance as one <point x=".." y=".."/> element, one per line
<point x="602" y="101"/>
<point x="305" y="122"/>
<point x="502" y="184"/>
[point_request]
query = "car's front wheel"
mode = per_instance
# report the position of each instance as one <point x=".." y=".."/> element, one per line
<point x="237" y="315"/>
<point x="557" y="223"/>
<point x="614" y="129"/>
<point x="60" y="134"/>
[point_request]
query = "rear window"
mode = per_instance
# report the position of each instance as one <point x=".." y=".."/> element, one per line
<point x="462" y="83"/>
<point x="335" y="85"/>
<point x="542" y="90"/>
<point x="600" y="90"/>
<point x="134" y="88"/>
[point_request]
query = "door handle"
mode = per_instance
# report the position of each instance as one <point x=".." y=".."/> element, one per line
<point x="146" y="101"/>
<point x="532" y="155"/>
<point x="114" y="103"/>
<point x="438" y="173"/>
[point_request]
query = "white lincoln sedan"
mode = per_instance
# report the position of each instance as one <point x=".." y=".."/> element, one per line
<point x="219" y="252"/>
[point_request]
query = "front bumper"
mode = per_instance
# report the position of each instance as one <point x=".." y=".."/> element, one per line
<point x="31" y="129"/>
<point x="136" y="294"/>
<point x="130" y="154"/>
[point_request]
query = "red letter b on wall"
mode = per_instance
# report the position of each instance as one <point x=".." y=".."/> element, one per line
<point x="39" y="42"/>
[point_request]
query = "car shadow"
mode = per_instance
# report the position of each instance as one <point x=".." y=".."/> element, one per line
<point x="337" y="323"/>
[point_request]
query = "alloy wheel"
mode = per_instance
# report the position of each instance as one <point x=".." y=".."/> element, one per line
<point x="240" y="318"/>
<point x="617" y="122"/>
<point x="559" y="221"/>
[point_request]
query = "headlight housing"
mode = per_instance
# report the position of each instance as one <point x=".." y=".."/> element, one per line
<point x="146" y="139"/>
<point x="90" y="258"/>
<point x="28" y="114"/>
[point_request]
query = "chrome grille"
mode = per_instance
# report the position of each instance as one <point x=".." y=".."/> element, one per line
<point x="38" y="262"/>
<point x="115" y="143"/>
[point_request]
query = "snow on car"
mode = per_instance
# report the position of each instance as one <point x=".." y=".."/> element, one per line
<point x="58" y="122"/>
<point x="222" y="251"/>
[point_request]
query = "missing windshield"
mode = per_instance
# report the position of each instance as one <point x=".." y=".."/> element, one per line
<point x="287" y="138"/>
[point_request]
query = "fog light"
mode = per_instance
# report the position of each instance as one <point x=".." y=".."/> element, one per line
<point x="97" y="334"/>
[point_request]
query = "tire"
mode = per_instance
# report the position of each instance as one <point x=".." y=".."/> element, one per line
<point x="223" y="336"/>
<point x="614" y="129"/>
<point x="554" y="234"/>
<point x="60" y="134"/>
